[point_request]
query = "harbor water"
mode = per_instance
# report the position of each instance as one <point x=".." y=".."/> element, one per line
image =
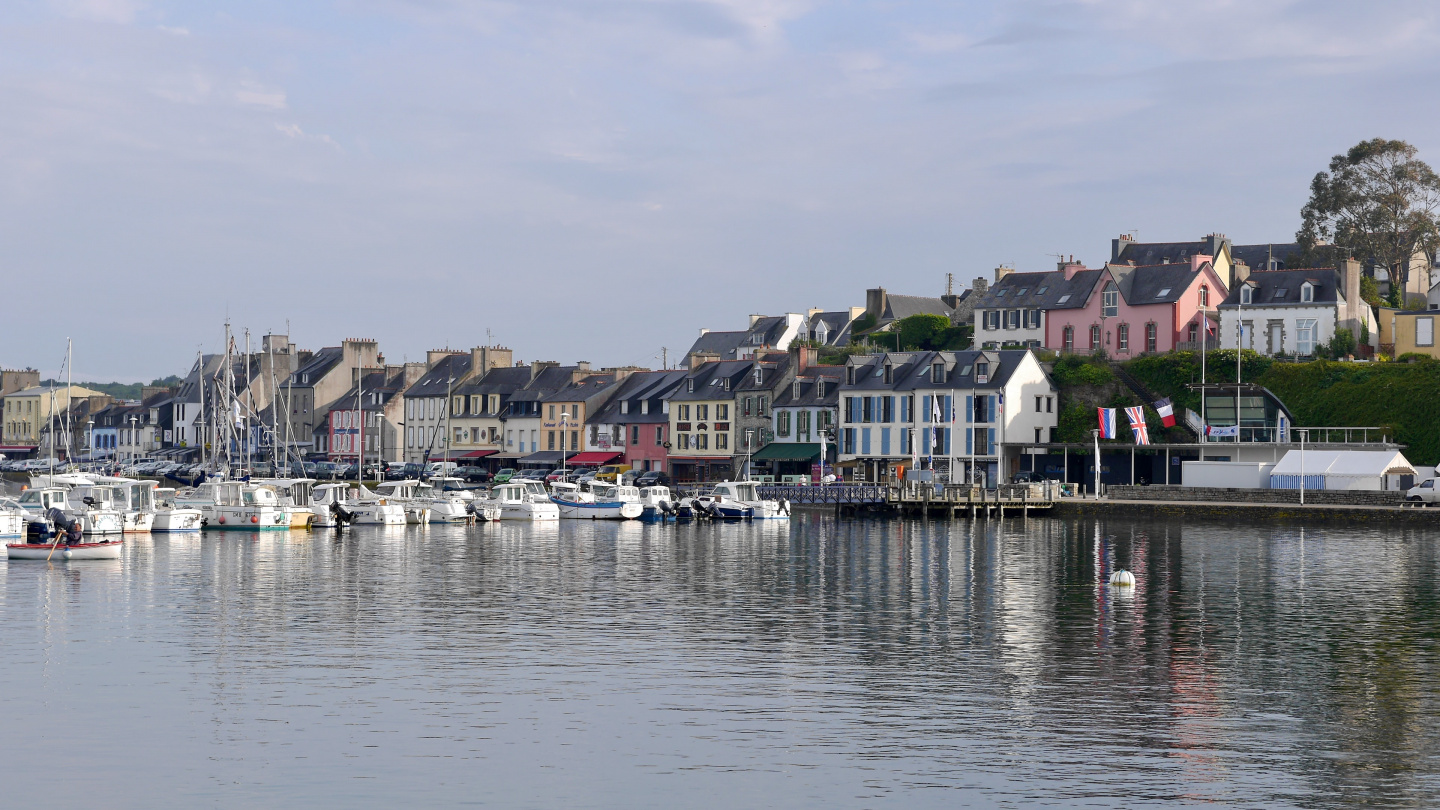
<point x="814" y="663"/>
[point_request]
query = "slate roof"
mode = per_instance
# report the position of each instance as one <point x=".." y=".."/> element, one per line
<point x="581" y="390"/>
<point x="372" y="382"/>
<point x="708" y="378"/>
<point x="436" y="381"/>
<point x="640" y="386"/>
<point x="723" y="344"/>
<point x="903" y="306"/>
<point x="1154" y="284"/>
<point x="833" y="376"/>
<point x="548" y="381"/>
<point x="837" y="325"/>
<point x="1268" y="283"/>
<point x="911" y="370"/>
<point x="317" y="367"/>
<point x="1024" y="290"/>
<point x="1258" y="256"/>
<point x="1148" y="253"/>
<point x="503" y="381"/>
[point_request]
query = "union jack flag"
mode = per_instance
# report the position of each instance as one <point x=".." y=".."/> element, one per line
<point x="1137" y="424"/>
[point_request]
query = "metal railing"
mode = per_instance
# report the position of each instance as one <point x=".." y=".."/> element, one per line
<point x="1313" y="435"/>
<point x="830" y="494"/>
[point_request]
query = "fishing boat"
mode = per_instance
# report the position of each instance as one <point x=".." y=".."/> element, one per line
<point x="657" y="503"/>
<point x="518" y="502"/>
<point x="334" y="504"/>
<point x="293" y="495"/>
<point x="236" y="505"/>
<point x="172" y="518"/>
<point x="601" y="502"/>
<point x="12" y="519"/>
<point x="95" y="516"/>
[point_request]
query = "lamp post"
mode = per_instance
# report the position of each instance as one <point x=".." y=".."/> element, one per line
<point x="1095" y="433"/>
<point x="90" y="440"/>
<point x="1302" y="465"/>
<point x="133" y="420"/>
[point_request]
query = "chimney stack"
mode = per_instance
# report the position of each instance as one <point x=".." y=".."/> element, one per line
<point x="1001" y="272"/>
<point x="1350" y="285"/>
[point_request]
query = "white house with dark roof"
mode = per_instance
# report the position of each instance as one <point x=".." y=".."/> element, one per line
<point x="1012" y="312"/>
<point x="1293" y="311"/>
<point x="765" y="333"/>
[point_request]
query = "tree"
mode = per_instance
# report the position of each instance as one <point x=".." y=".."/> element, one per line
<point x="922" y="331"/>
<point x="1378" y="202"/>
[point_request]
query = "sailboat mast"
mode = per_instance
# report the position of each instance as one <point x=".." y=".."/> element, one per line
<point x="200" y="364"/>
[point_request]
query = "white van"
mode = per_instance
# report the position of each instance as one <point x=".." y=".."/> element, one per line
<point x="440" y="468"/>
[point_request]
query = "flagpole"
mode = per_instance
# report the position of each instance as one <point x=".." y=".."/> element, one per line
<point x="1204" y="339"/>
<point x="1096" y="435"/>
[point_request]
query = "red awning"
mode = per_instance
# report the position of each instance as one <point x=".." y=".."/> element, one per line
<point x="17" y="448"/>
<point x="596" y="457"/>
<point x="478" y="454"/>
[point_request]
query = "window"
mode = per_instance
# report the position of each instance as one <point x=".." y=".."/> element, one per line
<point x="1305" y="335"/>
<point x="684" y="413"/>
<point x="1280" y="293"/>
<point x="1063" y="298"/>
<point x="802" y="426"/>
<point x="937" y="374"/>
<point x="659" y="435"/>
<point x="682" y="441"/>
<point x="795" y="389"/>
<point x="1425" y="331"/>
<point x="574" y="440"/>
<point x="725" y="384"/>
<point x="1307" y="292"/>
<point x="552" y="415"/>
<point x="550" y="439"/>
<point x="1012" y="319"/>
<point x="1095" y="337"/>
<point x="759" y="375"/>
<point x="747" y="406"/>
<point x="624" y="406"/>
<point x="1039" y="403"/>
<point x="819" y="388"/>
<point x="849" y="375"/>
<point x="722" y="411"/>
<point x="1194" y="332"/>
<point x="889" y="377"/>
<point x="1204" y="295"/>
<point x="1151" y="337"/>
<point x="1122" y="337"/>
<point x="1001" y="293"/>
<point x="760" y="403"/>
<point x="982" y="372"/>
<point x="1163" y="293"/>
<point x="1110" y="301"/>
<point x="1022" y="291"/>
<point x="1032" y="319"/>
<point x="992" y="319"/>
<point x="1049" y="404"/>
<point x="690" y="385"/>
<point x="867" y="409"/>
<point x="1041" y="291"/>
<point x="722" y="441"/>
<point x="702" y="441"/>
<point x="782" y="423"/>
<point x="1068" y="336"/>
<point x="702" y="413"/>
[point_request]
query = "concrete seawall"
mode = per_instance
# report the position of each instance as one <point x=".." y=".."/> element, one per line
<point x="1253" y="512"/>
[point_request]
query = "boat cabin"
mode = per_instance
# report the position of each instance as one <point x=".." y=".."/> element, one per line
<point x="736" y="491"/>
<point x="40" y="500"/>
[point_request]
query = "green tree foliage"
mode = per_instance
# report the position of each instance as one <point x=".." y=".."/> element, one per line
<point x="923" y="332"/>
<point x="1377" y="202"/>
<point x="864" y="323"/>
<point x="1370" y="292"/>
<point x="1073" y="370"/>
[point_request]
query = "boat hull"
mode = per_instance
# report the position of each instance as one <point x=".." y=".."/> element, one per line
<point x="176" y="521"/>
<point x="529" y="511"/>
<point x="602" y="510"/>
<point x="109" y="550"/>
<point x="138" y="522"/>
<point x="12" y="524"/>
<point x="249" y="519"/>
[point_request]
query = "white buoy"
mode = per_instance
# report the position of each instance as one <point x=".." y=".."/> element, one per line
<point x="1122" y="579"/>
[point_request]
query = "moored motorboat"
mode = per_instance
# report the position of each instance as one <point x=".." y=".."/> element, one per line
<point x="517" y="503"/>
<point x="171" y="518"/>
<point x="602" y="502"/>
<point x="236" y="505"/>
<point x="656" y="503"/>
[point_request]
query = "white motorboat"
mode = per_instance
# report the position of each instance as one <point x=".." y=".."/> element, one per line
<point x="172" y="518"/>
<point x="518" y="502"/>
<point x="602" y="501"/>
<point x="12" y="518"/>
<point x="293" y="495"/>
<point x="656" y="503"/>
<point x="135" y="501"/>
<point x="236" y="505"/>
<point x="404" y="494"/>
<point x="335" y="502"/>
<point x="102" y="550"/>
<point x="97" y="517"/>
<point x="730" y="494"/>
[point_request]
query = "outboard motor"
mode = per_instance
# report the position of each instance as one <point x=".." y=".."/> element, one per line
<point x="64" y="526"/>
<point x="342" y="515"/>
<point x="784" y="506"/>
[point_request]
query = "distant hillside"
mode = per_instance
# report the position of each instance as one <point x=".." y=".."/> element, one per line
<point x="119" y="390"/>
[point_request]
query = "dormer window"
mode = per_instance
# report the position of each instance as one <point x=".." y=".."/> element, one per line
<point x="937" y="373"/>
<point x="759" y="375"/>
<point x="690" y="385"/>
<point x="982" y="372"/>
<point x="755" y="339"/>
<point x="819" y="388"/>
<point x="1307" y="292"/>
<point x="644" y="406"/>
<point x="889" y="374"/>
<point x="849" y="375"/>
<point x="725" y="384"/>
<point x="1245" y="293"/>
<point x="624" y="406"/>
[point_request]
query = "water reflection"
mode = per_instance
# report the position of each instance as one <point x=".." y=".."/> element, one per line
<point x="835" y="662"/>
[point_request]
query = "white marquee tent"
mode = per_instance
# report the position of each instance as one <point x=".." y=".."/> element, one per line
<point x="1339" y="469"/>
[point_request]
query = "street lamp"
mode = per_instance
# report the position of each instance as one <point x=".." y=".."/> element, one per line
<point x="90" y="440"/>
<point x="133" y="420"/>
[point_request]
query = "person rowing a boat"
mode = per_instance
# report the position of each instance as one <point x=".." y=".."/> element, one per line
<point x="66" y="528"/>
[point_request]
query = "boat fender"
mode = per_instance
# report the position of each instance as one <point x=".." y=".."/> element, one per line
<point x="254" y="518"/>
<point x="222" y="520"/>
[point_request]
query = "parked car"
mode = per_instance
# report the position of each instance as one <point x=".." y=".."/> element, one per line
<point x="394" y="470"/>
<point x="533" y="475"/>
<point x="503" y="476"/>
<point x="473" y="475"/>
<point x="610" y="472"/>
<point x="1031" y="477"/>
<point x="1427" y="491"/>
<point x="654" y="478"/>
<point x="558" y="474"/>
<point x="413" y="469"/>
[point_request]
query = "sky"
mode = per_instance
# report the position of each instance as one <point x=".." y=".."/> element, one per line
<point x="599" y="179"/>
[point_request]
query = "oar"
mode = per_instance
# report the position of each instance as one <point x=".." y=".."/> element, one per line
<point x="52" y="549"/>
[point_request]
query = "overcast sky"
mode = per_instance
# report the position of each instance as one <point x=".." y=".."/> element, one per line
<point x="596" y="179"/>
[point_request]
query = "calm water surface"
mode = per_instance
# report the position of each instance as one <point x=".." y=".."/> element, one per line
<point x="821" y="663"/>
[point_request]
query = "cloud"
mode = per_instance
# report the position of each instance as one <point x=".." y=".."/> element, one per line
<point x="179" y="32"/>
<point x="294" y="131"/>
<point x="253" y="94"/>
<point x="111" y="11"/>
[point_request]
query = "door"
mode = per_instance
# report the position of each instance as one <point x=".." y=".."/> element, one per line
<point x="1275" y="337"/>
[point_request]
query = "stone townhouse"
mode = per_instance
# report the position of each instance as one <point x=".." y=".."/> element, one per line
<point x="702" y="429"/>
<point x="428" y="400"/>
<point x="633" y="425"/>
<point x="964" y="415"/>
<point x="480" y="409"/>
<point x="805" y="413"/>
<point x="1293" y="311"/>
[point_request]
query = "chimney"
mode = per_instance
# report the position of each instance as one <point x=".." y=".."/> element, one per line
<point x="804" y="357"/>
<point x="1350" y="286"/>
<point x="855" y="312"/>
<point x="484" y="358"/>
<point x="1199" y="260"/>
<point x="413" y="373"/>
<point x="1241" y="271"/>
<point x="436" y="355"/>
<point x="360" y="352"/>
<point x="1001" y="272"/>
<point x="812" y="312"/>
<point x="539" y="366"/>
<point x="277" y="344"/>
<point x="1070" y="269"/>
<point x="704" y="331"/>
<point x="1117" y="246"/>
<point x="754" y="319"/>
<point x="875" y="302"/>
<point x="980" y="286"/>
<point x="700" y="358"/>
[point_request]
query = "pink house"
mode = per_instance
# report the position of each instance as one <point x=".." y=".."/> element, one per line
<point x="1132" y="310"/>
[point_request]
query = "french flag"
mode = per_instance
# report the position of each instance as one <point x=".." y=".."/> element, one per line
<point x="1107" y="423"/>
<point x="1166" y="409"/>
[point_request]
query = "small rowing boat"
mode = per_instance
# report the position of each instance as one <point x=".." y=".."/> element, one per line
<point x="106" y="550"/>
